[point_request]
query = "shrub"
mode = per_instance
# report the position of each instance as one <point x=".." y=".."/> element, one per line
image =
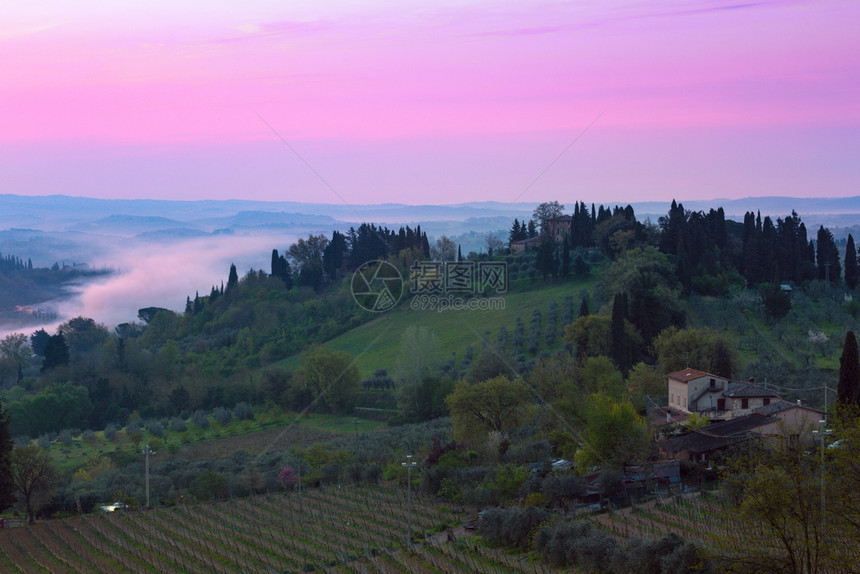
<point x="537" y="499"/>
<point x="133" y="426"/>
<point x="647" y="555"/>
<point x="243" y="412"/>
<point x="511" y="526"/>
<point x="222" y="416"/>
<point x="355" y="472"/>
<point x="22" y="440"/>
<point x="560" y="543"/>
<point x="373" y="473"/>
<point x="178" y="425"/>
<point x="477" y="496"/>
<point x="684" y="558"/>
<point x="65" y="437"/>
<point x="451" y="490"/>
<point x="560" y="489"/>
<point x="44" y="441"/>
<point x="592" y="552"/>
<point x="110" y="431"/>
<point x="155" y="429"/>
<point x="506" y="481"/>
<point x="200" y="420"/>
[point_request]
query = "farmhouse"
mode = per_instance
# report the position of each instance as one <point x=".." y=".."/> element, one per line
<point x="558" y="227"/>
<point x="715" y="397"/>
<point x="778" y="420"/>
<point x="523" y="245"/>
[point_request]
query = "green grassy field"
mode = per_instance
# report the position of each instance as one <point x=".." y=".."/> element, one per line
<point x="376" y="344"/>
<point x="267" y="429"/>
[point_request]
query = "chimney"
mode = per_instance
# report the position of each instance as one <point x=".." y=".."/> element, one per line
<point x="799" y="403"/>
<point x="752" y="380"/>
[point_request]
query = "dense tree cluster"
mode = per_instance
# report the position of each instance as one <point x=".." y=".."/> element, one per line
<point x="709" y="253"/>
<point x="11" y="263"/>
<point x="22" y="284"/>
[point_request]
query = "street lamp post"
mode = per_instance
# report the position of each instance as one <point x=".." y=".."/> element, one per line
<point x="409" y="464"/>
<point x="146" y="453"/>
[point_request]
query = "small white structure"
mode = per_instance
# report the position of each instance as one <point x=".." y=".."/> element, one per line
<point x="114" y="507"/>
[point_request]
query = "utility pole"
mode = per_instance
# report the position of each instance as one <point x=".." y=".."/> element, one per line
<point x="146" y="453"/>
<point x="409" y="464"/>
<point x="823" y="422"/>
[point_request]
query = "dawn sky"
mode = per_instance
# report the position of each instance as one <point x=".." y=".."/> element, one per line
<point x="420" y="102"/>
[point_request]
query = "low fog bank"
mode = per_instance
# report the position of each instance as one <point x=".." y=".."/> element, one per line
<point x="158" y="275"/>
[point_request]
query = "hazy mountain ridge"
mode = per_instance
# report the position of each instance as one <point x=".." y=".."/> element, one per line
<point x="186" y="245"/>
<point x="76" y="228"/>
<point x="47" y="209"/>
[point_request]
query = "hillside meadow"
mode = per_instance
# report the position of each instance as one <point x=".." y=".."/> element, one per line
<point x="376" y="344"/>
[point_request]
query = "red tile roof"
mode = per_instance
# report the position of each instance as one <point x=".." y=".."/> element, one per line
<point x="688" y="375"/>
<point x="737" y="390"/>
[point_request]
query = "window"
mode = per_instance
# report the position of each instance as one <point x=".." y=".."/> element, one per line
<point x="745" y="403"/>
<point x="765" y="402"/>
<point x="713" y="383"/>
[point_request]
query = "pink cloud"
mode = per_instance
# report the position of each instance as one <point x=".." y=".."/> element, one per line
<point x="351" y="77"/>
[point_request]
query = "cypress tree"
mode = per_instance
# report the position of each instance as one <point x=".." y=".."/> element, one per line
<point x="583" y="307"/>
<point x="565" y="257"/>
<point x="851" y="271"/>
<point x="232" y="279"/>
<point x="276" y="259"/>
<point x="848" y="392"/>
<point x="827" y="255"/>
<point x="618" y="339"/>
<point x="546" y="262"/>
<point x="515" y="231"/>
<point x="287" y="277"/>
<point x="56" y="352"/>
<point x="7" y="484"/>
<point x="425" y="246"/>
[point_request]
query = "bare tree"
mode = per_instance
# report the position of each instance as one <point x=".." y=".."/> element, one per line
<point x="33" y="474"/>
<point x="547" y="210"/>
<point x="494" y="244"/>
<point x="444" y="250"/>
<point x="307" y="252"/>
<point x="16" y="347"/>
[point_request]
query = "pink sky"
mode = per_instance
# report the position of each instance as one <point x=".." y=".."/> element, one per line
<point x="437" y="102"/>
